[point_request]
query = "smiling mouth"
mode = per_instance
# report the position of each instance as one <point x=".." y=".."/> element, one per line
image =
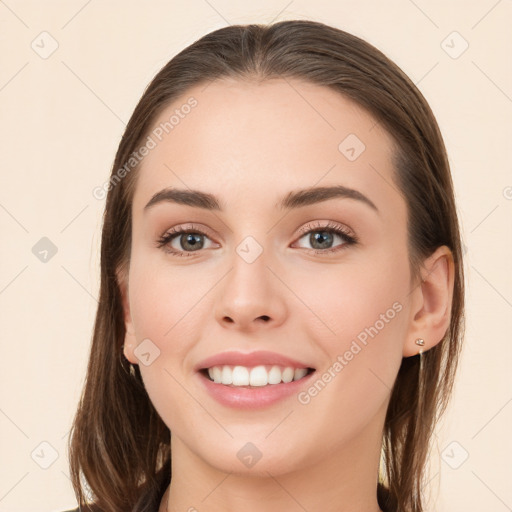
<point x="254" y="377"/>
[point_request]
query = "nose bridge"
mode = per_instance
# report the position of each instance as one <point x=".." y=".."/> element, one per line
<point x="250" y="295"/>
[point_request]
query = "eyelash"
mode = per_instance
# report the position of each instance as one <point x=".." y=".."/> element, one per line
<point x="349" y="238"/>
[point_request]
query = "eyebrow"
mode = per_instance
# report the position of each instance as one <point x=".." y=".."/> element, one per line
<point x="294" y="199"/>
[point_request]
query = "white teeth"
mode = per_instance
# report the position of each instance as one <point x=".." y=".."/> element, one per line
<point x="287" y="375"/>
<point x="240" y="376"/>
<point x="274" y="375"/>
<point x="257" y="376"/>
<point x="299" y="373"/>
<point x="217" y="374"/>
<point x="226" y="375"/>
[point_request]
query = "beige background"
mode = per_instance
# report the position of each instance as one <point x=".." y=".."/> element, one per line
<point x="62" y="117"/>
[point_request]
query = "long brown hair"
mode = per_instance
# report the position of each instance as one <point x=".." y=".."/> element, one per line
<point x="119" y="447"/>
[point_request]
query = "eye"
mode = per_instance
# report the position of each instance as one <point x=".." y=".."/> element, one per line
<point x="185" y="241"/>
<point x="188" y="240"/>
<point x="322" y="237"/>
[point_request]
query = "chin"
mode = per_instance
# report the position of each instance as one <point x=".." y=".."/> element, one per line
<point x="254" y="458"/>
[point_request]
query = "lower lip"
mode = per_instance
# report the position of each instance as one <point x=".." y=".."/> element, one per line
<point x="253" y="397"/>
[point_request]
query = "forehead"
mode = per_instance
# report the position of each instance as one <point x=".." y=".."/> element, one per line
<point x="247" y="141"/>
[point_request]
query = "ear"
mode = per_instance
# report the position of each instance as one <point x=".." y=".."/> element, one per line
<point x="431" y="302"/>
<point x="129" y="339"/>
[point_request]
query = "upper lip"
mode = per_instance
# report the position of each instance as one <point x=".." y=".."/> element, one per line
<point x="261" y="357"/>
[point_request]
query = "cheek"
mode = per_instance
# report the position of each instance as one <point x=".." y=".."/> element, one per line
<point x="163" y="302"/>
<point x="163" y="314"/>
<point x="350" y="298"/>
<point x="361" y="316"/>
<point x="367" y="312"/>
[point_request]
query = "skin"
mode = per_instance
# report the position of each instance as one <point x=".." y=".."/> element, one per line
<point x="250" y="145"/>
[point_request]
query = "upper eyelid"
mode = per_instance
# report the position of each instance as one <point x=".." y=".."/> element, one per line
<point x="310" y="226"/>
<point x="307" y="228"/>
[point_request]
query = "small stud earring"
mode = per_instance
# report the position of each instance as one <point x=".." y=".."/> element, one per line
<point x="421" y="343"/>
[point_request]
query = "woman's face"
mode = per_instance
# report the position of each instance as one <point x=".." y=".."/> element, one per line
<point x="263" y="271"/>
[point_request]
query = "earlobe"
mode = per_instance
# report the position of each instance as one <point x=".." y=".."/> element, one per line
<point x="432" y="300"/>
<point x="129" y="339"/>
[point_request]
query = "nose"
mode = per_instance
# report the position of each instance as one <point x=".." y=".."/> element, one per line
<point x="251" y="297"/>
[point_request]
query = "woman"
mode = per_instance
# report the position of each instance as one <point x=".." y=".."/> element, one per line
<point x="281" y="304"/>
